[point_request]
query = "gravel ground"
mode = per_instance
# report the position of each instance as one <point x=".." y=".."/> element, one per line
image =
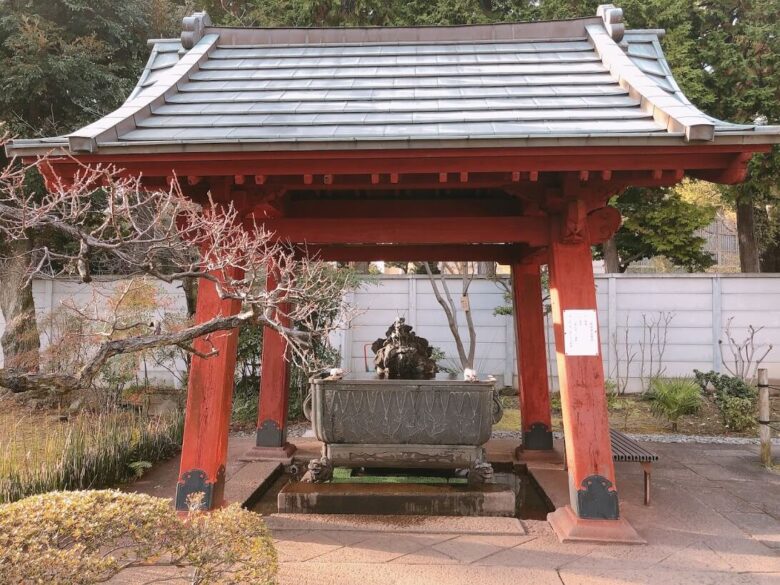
<point x="669" y="438"/>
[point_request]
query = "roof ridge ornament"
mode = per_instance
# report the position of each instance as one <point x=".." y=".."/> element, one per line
<point x="193" y="28"/>
<point x="613" y="20"/>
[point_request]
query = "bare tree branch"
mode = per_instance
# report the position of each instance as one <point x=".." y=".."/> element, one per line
<point x="105" y="214"/>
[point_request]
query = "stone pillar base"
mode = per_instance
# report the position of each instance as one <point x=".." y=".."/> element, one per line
<point x="570" y="528"/>
<point x="281" y="454"/>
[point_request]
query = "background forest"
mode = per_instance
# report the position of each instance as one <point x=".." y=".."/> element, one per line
<point x="64" y="63"/>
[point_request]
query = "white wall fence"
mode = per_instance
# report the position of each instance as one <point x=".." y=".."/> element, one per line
<point x="49" y="296"/>
<point x="699" y="307"/>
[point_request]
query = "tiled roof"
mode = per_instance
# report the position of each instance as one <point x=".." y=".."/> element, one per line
<point x="555" y="82"/>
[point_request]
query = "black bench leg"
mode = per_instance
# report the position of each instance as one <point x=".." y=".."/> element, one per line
<point x="648" y="469"/>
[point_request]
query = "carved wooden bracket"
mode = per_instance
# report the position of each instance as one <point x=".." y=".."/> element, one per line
<point x="602" y="224"/>
<point x="574" y="222"/>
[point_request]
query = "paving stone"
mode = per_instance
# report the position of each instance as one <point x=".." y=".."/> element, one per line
<point x="761" y="526"/>
<point x="723" y="501"/>
<point x="696" y="556"/>
<point x="541" y="552"/>
<point x="380" y="548"/>
<point x="745" y="554"/>
<point x="652" y="577"/>
<point x="426" y="556"/>
<point x="302" y="546"/>
<point x="398" y="574"/>
<point x="472" y="547"/>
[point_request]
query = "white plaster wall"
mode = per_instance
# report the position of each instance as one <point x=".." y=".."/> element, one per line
<point x="49" y="295"/>
<point x="701" y="304"/>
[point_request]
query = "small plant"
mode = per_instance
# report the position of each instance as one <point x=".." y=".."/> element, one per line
<point x="555" y="402"/>
<point x="90" y="536"/>
<point x="738" y="414"/>
<point x="734" y="397"/>
<point x="724" y="385"/>
<point x="672" y="398"/>
<point x="611" y="390"/>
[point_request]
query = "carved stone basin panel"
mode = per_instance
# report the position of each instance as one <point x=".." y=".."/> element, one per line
<point x="365" y="410"/>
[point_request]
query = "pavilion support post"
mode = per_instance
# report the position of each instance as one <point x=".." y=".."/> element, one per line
<point x="209" y="401"/>
<point x="594" y="513"/>
<point x="271" y="436"/>
<point x="531" y="357"/>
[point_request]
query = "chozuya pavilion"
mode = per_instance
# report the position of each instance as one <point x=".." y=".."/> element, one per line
<point x="492" y="142"/>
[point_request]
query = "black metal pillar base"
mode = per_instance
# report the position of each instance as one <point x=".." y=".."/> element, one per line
<point x="538" y="438"/>
<point x="596" y="501"/>
<point x="270" y="434"/>
<point x="196" y="482"/>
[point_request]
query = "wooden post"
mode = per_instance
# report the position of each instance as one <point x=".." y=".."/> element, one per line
<point x="531" y="357"/>
<point x="209" y="400"/>
<point x="765" y="431"/>
<point x="580" y="372"/>
<point x="271" y="437"/>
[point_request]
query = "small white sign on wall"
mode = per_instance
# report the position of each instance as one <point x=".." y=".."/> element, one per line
<point x="580" y="332"/>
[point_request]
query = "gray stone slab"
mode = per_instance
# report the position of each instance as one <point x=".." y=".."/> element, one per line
<point x="397" y="499"/>
<point x="280" y="523"/>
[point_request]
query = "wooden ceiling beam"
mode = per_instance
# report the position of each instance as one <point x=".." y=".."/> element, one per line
<point x="501" y="253"/>
<point x="412" y="230"/>
<point x="403" y="208"/>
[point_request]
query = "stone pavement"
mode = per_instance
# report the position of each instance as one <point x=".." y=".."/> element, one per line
<point x="715" y="519"/>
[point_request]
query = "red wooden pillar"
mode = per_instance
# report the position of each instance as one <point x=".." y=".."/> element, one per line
<point x="209" y="400"/>
<point x="580" y="371"/>
<point x="271" y="438"/>
<point x="531" y="357"/>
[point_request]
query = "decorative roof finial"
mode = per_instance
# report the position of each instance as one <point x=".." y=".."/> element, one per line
<point x="613" y="20"/>
<point x="193" y="28"/>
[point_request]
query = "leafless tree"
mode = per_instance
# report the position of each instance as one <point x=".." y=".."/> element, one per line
<point x="103" y="213"/>
<point x="450" y="309"/>
<point x="744" y="361"/>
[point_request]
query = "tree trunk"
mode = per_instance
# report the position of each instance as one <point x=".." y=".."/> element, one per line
<point x="20" y="340"/>
<point x="746" y="234"/>
<point x="361" y="267"/>
<point x="190" y="287"/>
<point x="611" y="258"/>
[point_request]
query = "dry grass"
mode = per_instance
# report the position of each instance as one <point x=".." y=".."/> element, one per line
<point x="40" y="452"/>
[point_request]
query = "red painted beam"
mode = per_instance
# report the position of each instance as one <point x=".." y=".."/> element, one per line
<point x="501" y="253"/>
<point x="413" y="230"/>
<point x="380" y="165"/>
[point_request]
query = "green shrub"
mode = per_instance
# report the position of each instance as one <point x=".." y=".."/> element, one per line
<point x="247" y="377"/>
<point x="87" y="537"/>
<point x="724" y="385"/>
<point x="738" y="414"/>
<point x="735" y="399"/>
<point x="555" y="402"/>
<point x="671" y="398"/>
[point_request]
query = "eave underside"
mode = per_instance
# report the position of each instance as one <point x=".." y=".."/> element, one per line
<point x="476" y="204"/>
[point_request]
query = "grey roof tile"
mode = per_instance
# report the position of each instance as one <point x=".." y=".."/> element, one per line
<point x="405" y="90"/>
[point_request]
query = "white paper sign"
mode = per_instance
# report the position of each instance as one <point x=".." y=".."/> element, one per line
<point x="580" y="332"/>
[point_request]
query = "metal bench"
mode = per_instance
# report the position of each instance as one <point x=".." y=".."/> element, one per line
<point x="626" y="449"/>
